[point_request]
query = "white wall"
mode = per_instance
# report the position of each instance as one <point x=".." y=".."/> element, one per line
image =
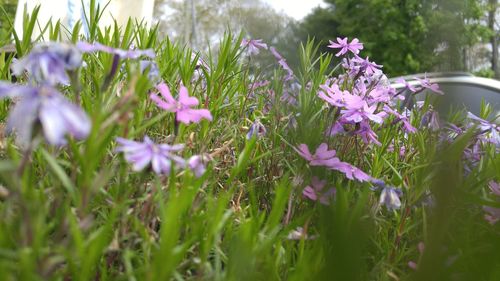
<point x="70" y="11"/>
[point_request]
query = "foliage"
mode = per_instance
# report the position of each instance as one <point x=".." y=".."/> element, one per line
<point x="8" y="11"/>
<point x="405" y="36"/>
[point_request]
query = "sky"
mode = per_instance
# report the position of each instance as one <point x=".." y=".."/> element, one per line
<point x="295" y="8"/>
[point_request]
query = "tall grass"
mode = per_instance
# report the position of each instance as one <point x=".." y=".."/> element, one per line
<point x="80" y="213"/>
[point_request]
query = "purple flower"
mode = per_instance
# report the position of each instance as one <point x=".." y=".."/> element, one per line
<point x="289" y="71"/>
<point x="493" y="130"/>
<point x="390" y="198"/>
<point x="288" y="98"/>
<point x="473" y="153"/>
<point x="257" y="130"/>
<point x="47" y="63"/>
<point x="367" y="134"/>
<point x="142" y="154"/>
<point x="122" y="54"/>
<point x="406" y="123"/>
<point x="275" y="53"/>
<point x="336" y="128"/>
<point x="351" y="172"/>
<point x="354" y="46"/>
<point x="46" y="106"/>
<point x="183" y="108"/>
<point x="315" y="191"/>
<point x="152" y="68"/>
<point x="493" y="214"/>
<point x="283" y="63"/>
<point x="431" y="120"/>
<point x="357" y="114"/>
<point x="197" y="164"/>
<point x="494" y="188"/>
<point x="200" y="69"/>
<point x="367" y="66"/>
<point x="332" y="95"/>
<point x="426" y="84"/>
<point x="253" y="45"/>
<point x="407" y="85"/>
<point x="258" y="84"/>
<point x="325" y="157"/>
<point x="485" y="125"/>
<point x="353" y="102"/>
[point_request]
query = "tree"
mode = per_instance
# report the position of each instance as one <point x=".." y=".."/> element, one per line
<point x="255" y="18"/>
<point x="213" y="17"/>
<point x="320" y="17"/>
<point x="455" y="26"/>
<point x="406" y="36"/>
<point x="9" y="7"/>
<point x="492" y="14"/>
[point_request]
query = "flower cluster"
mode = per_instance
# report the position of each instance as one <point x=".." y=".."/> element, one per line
<point x="159" y="157"/>
<point x="486" y="133"/>
<point x="366" y="103"/>
<point x="360" y="100"/>
<point x="48" y="64"/>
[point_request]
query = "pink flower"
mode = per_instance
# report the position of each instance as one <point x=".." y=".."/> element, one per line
<point x="315" y="191"/>
<point x="354" y="46"/>
<point x="414" y="265"/>
<point x="183" y="107"/>
<point x="321" y="157"/>
<point x="198" y="164"/>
